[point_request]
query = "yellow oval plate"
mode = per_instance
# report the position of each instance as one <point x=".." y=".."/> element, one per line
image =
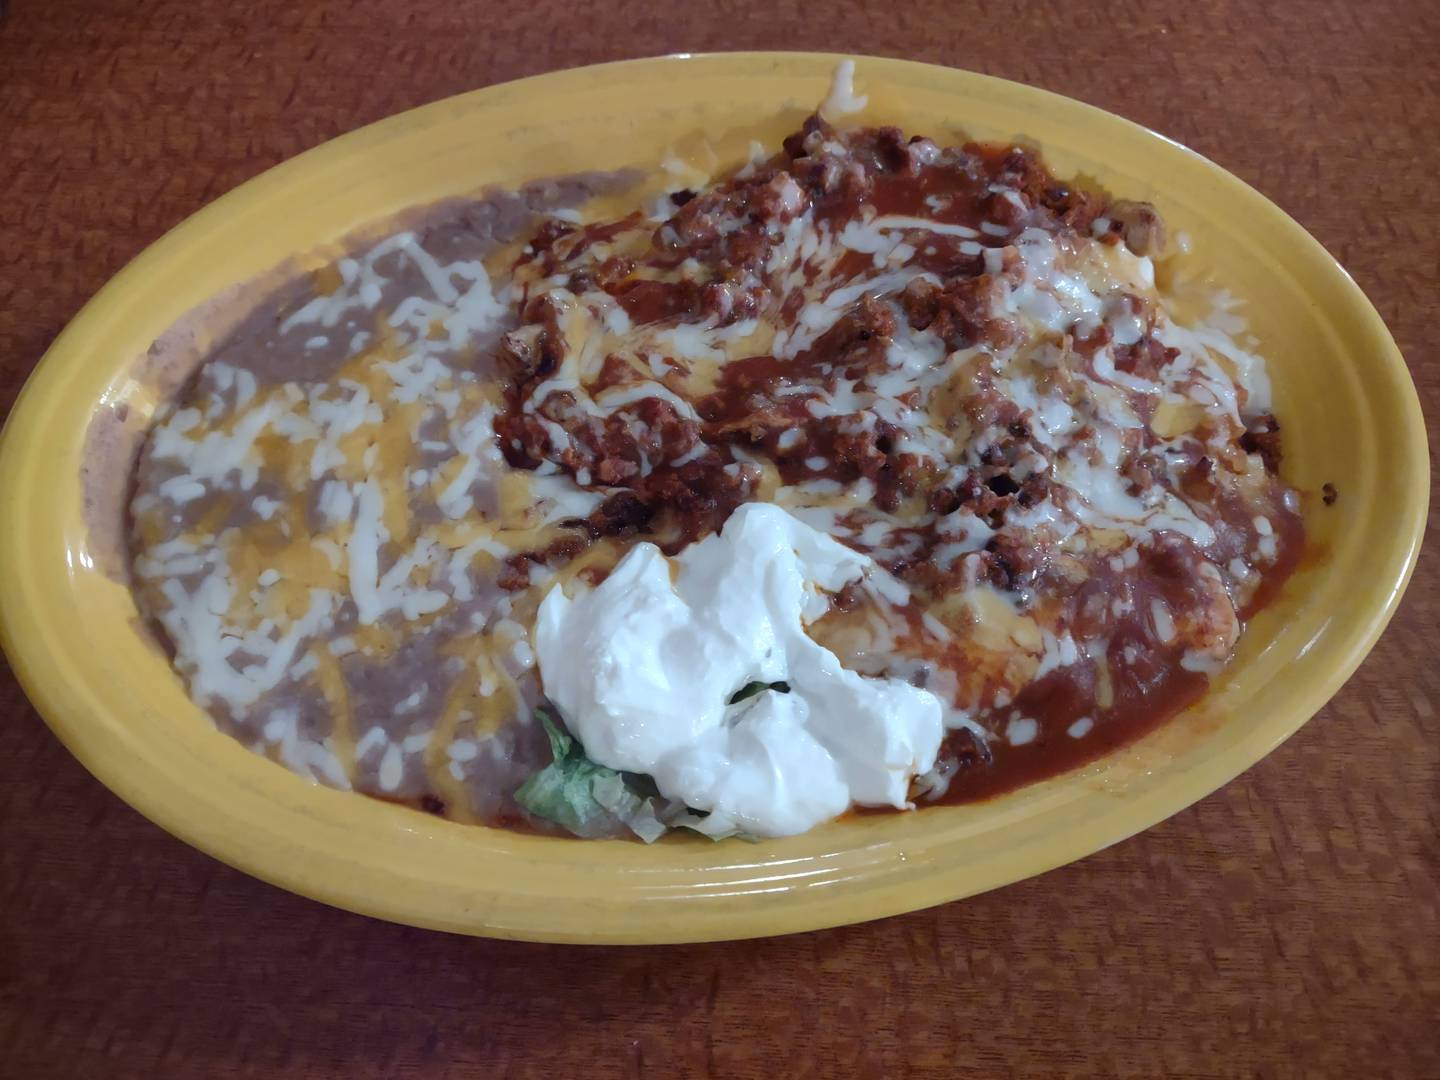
<point x="1350" y="413"/>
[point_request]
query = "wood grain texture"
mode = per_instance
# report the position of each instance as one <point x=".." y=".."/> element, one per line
<point x="1288" y="926"/>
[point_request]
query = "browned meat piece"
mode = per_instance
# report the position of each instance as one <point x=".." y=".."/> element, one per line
<point x="882" y="149"/>
<point x="610" y="273"/>
<point x="808" y="139"/>
<point x="1200" y="609"/>
<point x="1198" y="481"/>
<point x="621" y="513"/>
<point x="647" y="301"/>
<point x="615" y="449"/>
<point x="988" y="408"/>
<point x="729" y="302"/>
<point x="1140" y="225"/>
<point x="1003" y="210"/>
<point x="858" y="453"/>
<point x="550" y="232"/>
<point x="1144" y="359"/>
<point x="717" y="224"/>
<point x="920" y="300"/>
<point x="836" y="178"/>
<point x="1263" y="437"/>
<point x="858" y="339"/>
<point x="1073" y="207"/>
<point x="965" y="314"/>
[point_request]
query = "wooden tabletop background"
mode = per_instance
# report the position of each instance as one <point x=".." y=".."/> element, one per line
<point x="1288" y="925"/>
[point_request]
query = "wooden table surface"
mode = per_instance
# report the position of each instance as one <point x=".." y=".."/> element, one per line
<point x="1287" y="926"/>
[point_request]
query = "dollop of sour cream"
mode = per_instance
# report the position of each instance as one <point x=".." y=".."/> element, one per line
<point x="643" y="667"/>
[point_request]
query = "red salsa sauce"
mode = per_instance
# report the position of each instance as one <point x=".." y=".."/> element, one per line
<point x="763" y="407"/>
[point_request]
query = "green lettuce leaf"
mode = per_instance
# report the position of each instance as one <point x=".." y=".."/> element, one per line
<point x="594" y="801"/>
<point x="584" y="798"/>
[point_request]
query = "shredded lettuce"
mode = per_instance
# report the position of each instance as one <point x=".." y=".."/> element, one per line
<point x="679" y="816"/>
<point x="584" y="798"/>
<point x="593" y="801"/>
